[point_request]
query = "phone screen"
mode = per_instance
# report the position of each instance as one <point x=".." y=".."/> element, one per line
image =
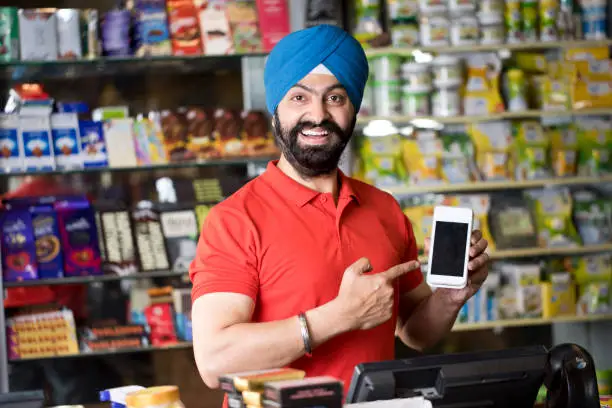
<point x="449" y="249"/>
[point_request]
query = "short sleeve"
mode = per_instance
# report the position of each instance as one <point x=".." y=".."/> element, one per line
<point x="226" y="258"/>
<point x="412" y="279"/>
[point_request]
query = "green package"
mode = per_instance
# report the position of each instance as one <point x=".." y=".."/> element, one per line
<point x="9" y="34"/>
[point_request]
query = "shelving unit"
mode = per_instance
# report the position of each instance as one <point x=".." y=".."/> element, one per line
<point x="500" y="324"/>
<point x="528" y="114"/>
<point x="495" y="47"/>
<point x="94" y="279"/>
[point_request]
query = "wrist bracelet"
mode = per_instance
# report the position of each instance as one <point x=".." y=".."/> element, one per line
<point x="305" y="334"/>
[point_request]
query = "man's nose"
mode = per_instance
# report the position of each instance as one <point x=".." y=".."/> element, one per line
<point x="318" y="112"/>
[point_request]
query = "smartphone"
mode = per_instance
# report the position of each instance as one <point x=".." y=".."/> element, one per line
<point x="449" y="250"/>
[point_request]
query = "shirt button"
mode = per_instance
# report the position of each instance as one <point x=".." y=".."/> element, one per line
<point x="323" y="199"/>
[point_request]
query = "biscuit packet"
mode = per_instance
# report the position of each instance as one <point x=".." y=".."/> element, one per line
<point x="256" y="134"/>
<point x="228" y="125"/>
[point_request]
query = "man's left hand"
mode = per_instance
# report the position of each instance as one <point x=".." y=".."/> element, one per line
<point x="478" y="269"/>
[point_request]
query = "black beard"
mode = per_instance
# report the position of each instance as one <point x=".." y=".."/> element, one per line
<point x="313" y="161"/>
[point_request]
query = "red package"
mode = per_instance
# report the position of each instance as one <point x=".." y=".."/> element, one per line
<point x="160" y="319"/>
<point x="273" y="22"/>
<point x="184" y="27"/>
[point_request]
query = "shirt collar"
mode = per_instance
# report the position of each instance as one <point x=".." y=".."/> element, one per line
<point x="299" y="193"/>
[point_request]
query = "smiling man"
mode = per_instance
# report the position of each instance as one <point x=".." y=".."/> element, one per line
<point x="304" y="266"/>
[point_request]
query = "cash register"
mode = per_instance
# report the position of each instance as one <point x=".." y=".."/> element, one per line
<point x="493" y="379"/>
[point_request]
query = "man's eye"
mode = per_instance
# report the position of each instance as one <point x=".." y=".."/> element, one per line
<point x="336" y="98"/>
<point x="299" y="98"/>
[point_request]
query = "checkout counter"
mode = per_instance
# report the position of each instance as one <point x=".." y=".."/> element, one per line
<point x="508" y="378"/>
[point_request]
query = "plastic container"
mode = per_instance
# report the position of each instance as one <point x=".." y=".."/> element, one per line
<point x="434" y="31"/>
<point x="513" y="20"/>
<point x="367" y="102"/>
<point x="155" y="397"/>
<point x="386" y="68"/>
<point x="446" y="102"/>
<point x="457" y="7"/>
<point x="548" y="16"/>
<point x="464" y="30"/>
<point x="516" y="90"/>
<point x="416" y="74"/>
<point x="529" y="11"/>
<point x="387" y="98"/>
<point x="447" y="71"/>
<point x="415" y="100"/>
<point x="594" y="19"/>
<point x="492" y="30"/>
<point x="405" y="35"/>
<point x="492" y="6"/>
<point x="432" y="7"/>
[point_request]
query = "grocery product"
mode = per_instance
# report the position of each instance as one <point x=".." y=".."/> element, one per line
<point x="516" y="90"/>
<point x="149" y="238"/>
<point x="420" y="215"/>
<point x="465" y="30"/>
<point x="548" y="16"/>
<point x="18" y="245"/>
<point x="66" y="141"/>
<point x="482" y="95"/>
<point x="529" y="13"/>
<point x="37" y="145"/>
<point x="558" y="296"/>
<point x="530" y="156"/>
<point x="492" y="7"/>
<point x="226" y="132"/>
<point x="116" y="132"/>
<point x="593" y="218"/>
<point x="594" y="19"/>
<point x="432" y="6"/>
<point x="513" y="19"/>
<point x="446" y="101"/>
<point x="416" y="74"/>
<point x="457" y="156"/>
<point x="368" y="26"/>
<point x="115" y="238"/>
<point x="512" y="222"/>
<point x="155" y="397"/>
<point x="37" y="34"/>
<point x="9" y="34"/>
<point x="590" y="84"/>
<point x="422" y="160"/>
<point x="521" y="296"/>
<point x="386" y="67"/>
<point x="245" y="29"/>
<point x="79" y="237"/>
<point x="405" y="34"/>
<point x="184" y="28"/>
<point x="93" y="145"/>
<point x="553" y="214"/>
<point x="11" y="147"/>
<point x="180" y="229"/>
<point x="415" y="100"/>
<point x="492" y="30"/>
<point x="367" y="102"/>
<point x="273" y="21"/>
<point x="403" y="9"/>
<point x="594" y="140"/>
<point x="91" y="36"/>
<point x="434" y="30"/>
<point x="151" y="28"/>
<point x="564" y="149"/>
<point x="215" y="28"/>
<point x="447" y="71"/>
<point x="387" y="98"/>
<point x="115" y="33"/>
<point x="457" y="7"/>
<point x="257" y="135"/>
<point x="69" y="34"/>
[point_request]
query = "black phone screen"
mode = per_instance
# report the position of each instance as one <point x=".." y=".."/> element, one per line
<point x="449" y="249"/>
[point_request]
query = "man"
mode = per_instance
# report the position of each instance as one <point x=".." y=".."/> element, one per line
<point x="304" y="266"/>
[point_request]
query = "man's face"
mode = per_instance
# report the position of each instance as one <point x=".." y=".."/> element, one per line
<point x="313" y="124"/>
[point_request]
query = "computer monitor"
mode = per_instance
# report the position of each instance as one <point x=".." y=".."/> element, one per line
<point x="507" y="378"/>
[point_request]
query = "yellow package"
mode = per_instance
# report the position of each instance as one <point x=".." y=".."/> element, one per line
<point x="422" y="160"/>
<point x="383" y="170"/>
<point x="481" y="93"/>
<point x="559" y="296"/>
<point x="491" y="136"/>
<point x="531" y="62"/>
<point x="595" y="53"/>
<point x="421" y="218"/>
<point x="480" y="205"/>
<point x="551" y="94"/>
<point x="385" y="145"/>
<point x="591" y="84"/>
<point x="564" y="163"/>
<point x="493" y="165"/>
<point x="590" y="71"/>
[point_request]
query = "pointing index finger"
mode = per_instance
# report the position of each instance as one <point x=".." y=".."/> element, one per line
<point x="399" y="270"/>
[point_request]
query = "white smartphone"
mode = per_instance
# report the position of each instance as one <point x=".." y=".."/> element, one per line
<point x="449" y="250"/>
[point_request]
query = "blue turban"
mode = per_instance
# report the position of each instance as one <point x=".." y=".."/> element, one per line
<point x="300" y="52"/>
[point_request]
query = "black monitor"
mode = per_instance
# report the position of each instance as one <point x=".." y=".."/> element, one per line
<point x="493" y="379"/>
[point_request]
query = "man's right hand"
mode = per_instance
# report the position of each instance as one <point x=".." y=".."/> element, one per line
<point x="366" y="301"/>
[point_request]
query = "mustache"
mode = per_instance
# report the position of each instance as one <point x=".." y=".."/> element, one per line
<point x="328" y="125"/>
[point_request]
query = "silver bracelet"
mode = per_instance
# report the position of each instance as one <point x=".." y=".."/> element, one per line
<point x="305" y="334"/>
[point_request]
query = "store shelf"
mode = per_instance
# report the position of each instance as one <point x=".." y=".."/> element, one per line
<point x="495" y="185"/>
<point x="94" y="279"/>
<point x="233" y="161"/>
<point x="36" y="70"/>
<point x="539" y="252"/>
<point x="528" y="114"/>
<point x="497" y="47"/>
<point x="500" y="324"/>
<point x="110" y="352"/>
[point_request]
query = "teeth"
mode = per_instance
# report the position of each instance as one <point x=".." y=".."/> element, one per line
<point x="314" y="133"/>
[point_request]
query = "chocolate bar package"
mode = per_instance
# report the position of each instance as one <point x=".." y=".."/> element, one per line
<point x="235" y="401"/>
<point x="48" y="247"/>
<point x="180" y="228"/>
<point x="18" y="245"/>
<point x="255" y="380"/>
<point x="79" y="238"/>
<point x="116" y="239"/>
<point x="313" y="391"/>
<point x="149" y="238"/>
<point x="114" y="331"/>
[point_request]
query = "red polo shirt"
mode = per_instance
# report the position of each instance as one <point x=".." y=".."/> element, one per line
<point x="287" y="246"/>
